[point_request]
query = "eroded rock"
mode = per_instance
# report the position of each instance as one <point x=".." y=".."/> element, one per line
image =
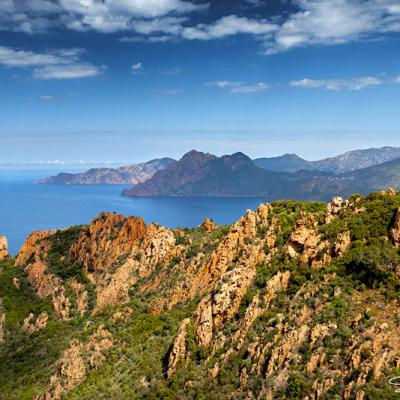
<point x="32" y="324"/>
<point x="3" y="247"/>
<point x="395" y="231"/>
<point x="178" y="351"/>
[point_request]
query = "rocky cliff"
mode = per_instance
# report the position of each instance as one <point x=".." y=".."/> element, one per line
<point x="294" y="300"/>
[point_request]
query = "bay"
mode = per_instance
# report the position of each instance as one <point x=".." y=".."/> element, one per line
<point x="26" y="206"/>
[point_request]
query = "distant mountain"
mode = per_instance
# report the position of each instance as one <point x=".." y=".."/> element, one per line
<point x="350" y="161"/>
<point x="200" y="174"/>
<point x="285" y="163"/>
<point x="133" y="174"/>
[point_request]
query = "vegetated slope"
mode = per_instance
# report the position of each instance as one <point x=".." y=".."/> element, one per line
<point x="200" y="174"/>
<point x="133" y="174"/>
<point x="347" y="162"/>
<point x="295" y="300"/>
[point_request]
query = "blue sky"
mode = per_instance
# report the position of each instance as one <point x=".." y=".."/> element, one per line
<point x="130" y="80"/>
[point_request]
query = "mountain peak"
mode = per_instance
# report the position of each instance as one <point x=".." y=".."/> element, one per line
<point x="199" y="155"/>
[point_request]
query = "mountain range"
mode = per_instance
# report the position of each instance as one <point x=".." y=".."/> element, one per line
<point x="133" y="174"/>
<point x="201" y="174"/>
<point x="284" y="177"/>
<point x="139" y="173"/>
<point x="347" y="162"/>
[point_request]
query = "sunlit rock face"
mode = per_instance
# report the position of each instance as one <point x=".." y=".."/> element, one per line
<point x="3" y="248"/>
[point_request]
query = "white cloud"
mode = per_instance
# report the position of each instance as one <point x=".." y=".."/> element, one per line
<point x="397" y="80"/>
<point x="240" y="87"/>
<point x="223" y="84"/>
<point x="257" y="87"/>
<point x="313" y="22"/>
<point x="328" y="22"/>
<point x="21" y="58"/>
<point x="166" y="25"/>
<point x="47" y="97"/>
<point x="59" y="64"/>
<point x="338" y="84"/>
<point x="69" y="71"/>
<point x="137" y="69"/>
<point x="227" y="26"/>
<point x="101" y="15"/>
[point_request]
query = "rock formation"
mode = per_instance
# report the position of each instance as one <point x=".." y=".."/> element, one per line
<point x="3" y="248"/>
<point x="32" y="324"/>
<point x="395" y="231"/>
<point x="264" y="308"/>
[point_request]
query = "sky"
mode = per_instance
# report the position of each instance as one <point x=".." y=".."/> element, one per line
<point x="124" y="81"/>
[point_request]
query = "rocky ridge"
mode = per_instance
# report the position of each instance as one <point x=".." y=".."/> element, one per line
<point x="284" y="303"/>
<point x="132" y="174"/>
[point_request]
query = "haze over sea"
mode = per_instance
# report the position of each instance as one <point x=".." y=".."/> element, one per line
<point x="25" y="206"/>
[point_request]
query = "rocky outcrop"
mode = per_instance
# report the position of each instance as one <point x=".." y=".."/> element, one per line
<point x="207" y="225"/>
<point x="71" y="369"/>
<point x="81" y="296"/>
<point x="70" y="372"/>
<point x="35" y="244"/>
<point x="3" y="248"/>
<point x="343" y="243"/>
<point x="305" y="242"/>
<point x="47" y="285"/>
<point x="178" y="350"/>
<point x="105" y="240"/>
<point x="335" y="208"/>
<point x="32" y="324"/>
<point x="395" y="231"/>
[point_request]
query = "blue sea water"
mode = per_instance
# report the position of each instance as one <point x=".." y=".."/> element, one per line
<point x="25" y="206"/>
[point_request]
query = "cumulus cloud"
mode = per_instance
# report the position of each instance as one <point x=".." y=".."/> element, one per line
<point x="59" y="64"/>
<point x="338" y="84"/>
<point x="327" y="22"/>
<point x="309" y="23"/>
<point x="106" y="16"/>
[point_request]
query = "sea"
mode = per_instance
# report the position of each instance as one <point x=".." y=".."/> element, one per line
<point x="26" y="206"/>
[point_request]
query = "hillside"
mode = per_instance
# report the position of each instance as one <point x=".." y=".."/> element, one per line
<point x="295" y="300"/>
<point x="347" y="162"/>
<point x="199" y="174"/>
<point x="133" y="174"/>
